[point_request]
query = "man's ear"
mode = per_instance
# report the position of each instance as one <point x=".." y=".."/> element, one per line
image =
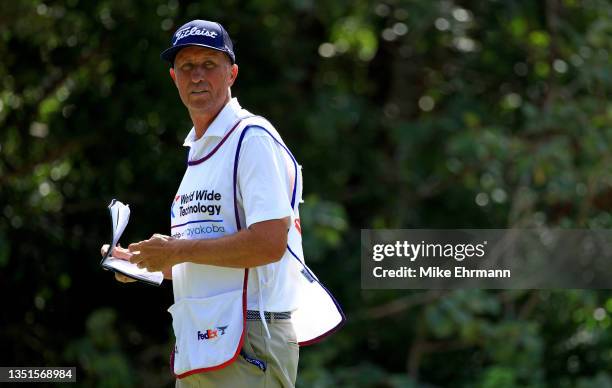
<point x="233" y="74"/>
<point x="173" y="75"/>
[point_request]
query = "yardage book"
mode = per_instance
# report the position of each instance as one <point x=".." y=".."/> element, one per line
<point x="120" y="215"/>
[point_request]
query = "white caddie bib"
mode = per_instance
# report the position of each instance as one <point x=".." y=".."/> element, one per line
<point x="209" y="313"/>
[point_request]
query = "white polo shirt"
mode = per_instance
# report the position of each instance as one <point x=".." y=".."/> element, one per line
<point x="265" y="178"/>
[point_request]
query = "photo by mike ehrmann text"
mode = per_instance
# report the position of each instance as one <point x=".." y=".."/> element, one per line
<point x="437" y="272"/>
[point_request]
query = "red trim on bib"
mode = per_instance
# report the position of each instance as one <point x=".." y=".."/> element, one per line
<point x="298" y="225"/>
<point x="228" y="362"/>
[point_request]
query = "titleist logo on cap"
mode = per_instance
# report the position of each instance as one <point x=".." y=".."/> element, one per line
<point x="180" y="34"/>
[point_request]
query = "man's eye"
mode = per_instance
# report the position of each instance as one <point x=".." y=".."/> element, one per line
<point x="187" y="66"/>
<point x="209" y="65"/>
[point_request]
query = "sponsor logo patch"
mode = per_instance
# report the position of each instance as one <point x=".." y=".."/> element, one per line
<point x="211" y="334"/>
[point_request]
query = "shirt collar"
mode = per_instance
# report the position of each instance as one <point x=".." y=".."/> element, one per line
<point x="220" y="125"/>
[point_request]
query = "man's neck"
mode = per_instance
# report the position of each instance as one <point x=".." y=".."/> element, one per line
<point x="201" y="121"/>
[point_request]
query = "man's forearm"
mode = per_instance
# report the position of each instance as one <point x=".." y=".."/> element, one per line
<point x="263" y="243"/>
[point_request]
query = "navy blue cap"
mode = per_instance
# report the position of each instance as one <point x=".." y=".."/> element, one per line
<point x="200" y="33"/>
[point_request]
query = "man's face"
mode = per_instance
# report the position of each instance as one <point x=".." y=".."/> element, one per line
<point x="203" y="77"/>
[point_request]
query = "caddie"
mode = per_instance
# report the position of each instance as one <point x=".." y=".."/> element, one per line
<point x="244" y="298"/>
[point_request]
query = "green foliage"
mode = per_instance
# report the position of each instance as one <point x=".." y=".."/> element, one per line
<point x="404" y="114"/>
<point x="99" y="353"/>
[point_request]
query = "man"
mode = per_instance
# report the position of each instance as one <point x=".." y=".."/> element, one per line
<point x="241" y="287"/>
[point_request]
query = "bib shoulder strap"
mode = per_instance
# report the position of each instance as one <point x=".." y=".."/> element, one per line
<point x="258" y="122"/>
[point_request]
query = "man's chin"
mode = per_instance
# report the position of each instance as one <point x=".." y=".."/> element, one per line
<point x="201" y="106"/>
<point x="200" y="103"/>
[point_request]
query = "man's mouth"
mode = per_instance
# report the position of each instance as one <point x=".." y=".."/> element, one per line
<point x="199" y="91"/>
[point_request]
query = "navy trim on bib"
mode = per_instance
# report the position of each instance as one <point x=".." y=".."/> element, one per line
<point x="338" y="307"/>
<point x="211" y="153"/>
<point x="244" y="131"/>
<point x="343" y="320"/>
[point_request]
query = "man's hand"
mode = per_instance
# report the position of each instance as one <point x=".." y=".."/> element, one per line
<point x="119" y="253"/>
<point x="154" y="254"/>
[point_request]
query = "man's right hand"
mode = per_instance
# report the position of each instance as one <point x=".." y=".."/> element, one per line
<point x="119" y="253"/>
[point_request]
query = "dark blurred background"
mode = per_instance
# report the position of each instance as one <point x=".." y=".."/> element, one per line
<point x="404" y="114"/>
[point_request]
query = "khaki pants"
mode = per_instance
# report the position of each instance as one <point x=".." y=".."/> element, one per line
<point x="280" y="353"/>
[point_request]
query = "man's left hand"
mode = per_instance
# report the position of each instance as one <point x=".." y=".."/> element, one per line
<point x="154" y="254"/>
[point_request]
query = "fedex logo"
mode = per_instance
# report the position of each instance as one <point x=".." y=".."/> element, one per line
<point x="211" y="334"/>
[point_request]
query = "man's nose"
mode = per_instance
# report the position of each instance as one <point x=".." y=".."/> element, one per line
<point x="198" y="73"/>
